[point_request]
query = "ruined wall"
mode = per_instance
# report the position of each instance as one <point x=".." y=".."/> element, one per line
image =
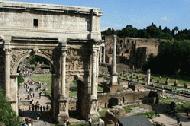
<point x="123" y="98"/>
<point x="130" y="49"/>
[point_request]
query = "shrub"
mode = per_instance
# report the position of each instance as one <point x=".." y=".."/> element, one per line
<point x="7" y="115"/>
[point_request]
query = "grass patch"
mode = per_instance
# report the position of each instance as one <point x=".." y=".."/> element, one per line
<point x="129" y="108"/>
<point x="180" y="79"/>
<point x="20" y="79"/>
<point x="181" y="105"/>
<point x="73" y="89"/>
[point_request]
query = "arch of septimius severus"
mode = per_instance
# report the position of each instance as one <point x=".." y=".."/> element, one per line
<point x="69" y="37"/>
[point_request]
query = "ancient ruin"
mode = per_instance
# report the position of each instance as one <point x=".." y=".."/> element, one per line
<point x="131" y="51"/>
<point x="69" y="37"/>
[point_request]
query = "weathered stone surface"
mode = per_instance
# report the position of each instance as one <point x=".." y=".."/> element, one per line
<point x="132" y="51"/>
<point x="66" y="36"/>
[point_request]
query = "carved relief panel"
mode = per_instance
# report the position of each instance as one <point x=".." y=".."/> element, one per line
<point x="77" y="61"/>
<point x="18" y="54"/>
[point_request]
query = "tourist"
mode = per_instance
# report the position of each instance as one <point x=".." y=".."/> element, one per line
<point x="33" y="94"/>
<point x="28" y="97"/>
<point x="41" y="108"/>
<point x="40" y="94"/>
<point x="178" y="120"/>
<point x="44" y="108"/>
<point x="33" y="107"/>
<point x="38" y="107"/>
<point x="47" y="107"/>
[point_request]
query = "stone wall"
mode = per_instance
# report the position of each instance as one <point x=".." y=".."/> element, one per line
<point x="42" y="20"/>
<point x="123" y="98"/>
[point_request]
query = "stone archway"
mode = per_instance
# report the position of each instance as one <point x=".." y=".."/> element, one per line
<point x="69" y="37"/>
<point x="113" y="102"/>
<point x="16" y="54"/>
<point x="35" y="78"/>
<point x="69" y="60"/>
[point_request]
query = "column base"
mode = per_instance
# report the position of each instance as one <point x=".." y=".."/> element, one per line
<point x="14" y="105"/>
<point x="63" y="115"/>
<point x="94" y="119"/>
<point x="114" y="80"/>
<point x="115" y="88"/>
<point x="63" y="118"/>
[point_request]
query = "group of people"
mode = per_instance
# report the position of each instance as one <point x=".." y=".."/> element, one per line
<point x="31" y="91"/>
<point x="38" y="107"/>
<point x="32" y="94"/>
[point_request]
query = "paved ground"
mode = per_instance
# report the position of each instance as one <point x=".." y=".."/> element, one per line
<point x="43" y="101"/>
<point x="169" y="121"/>
<point x="23" y="95"/>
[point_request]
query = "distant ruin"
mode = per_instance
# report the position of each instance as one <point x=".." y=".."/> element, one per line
<point x="131" y="51"/>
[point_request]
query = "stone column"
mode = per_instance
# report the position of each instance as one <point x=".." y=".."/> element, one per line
<point x="114" y="65"/>
<point x="148" y="76"/>
<point x="93" y="115"/>
<point x="14" y="91"/>
<point x="100" y="54"/>
<point x="114" y="55"/>
<point x="7" y="72"/>
<point x="63" y="100"/>
<point x="104" y="54"/>
<point x="97" y="64"/>
<point x="63" y="72"/>
<point x="94" y="74"/>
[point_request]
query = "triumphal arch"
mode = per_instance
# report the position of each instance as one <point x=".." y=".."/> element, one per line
<point x="69" y="37"/>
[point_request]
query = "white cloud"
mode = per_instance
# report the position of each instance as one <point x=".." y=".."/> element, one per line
<point x="164" y="19"/>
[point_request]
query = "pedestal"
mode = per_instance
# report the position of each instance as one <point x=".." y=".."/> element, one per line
<point x="94" y="117"/>
<point x="63" y="115"/>
<point x="114" y="80"/>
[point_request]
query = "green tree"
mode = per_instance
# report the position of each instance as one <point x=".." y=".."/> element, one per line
<point x="7" y="115"/>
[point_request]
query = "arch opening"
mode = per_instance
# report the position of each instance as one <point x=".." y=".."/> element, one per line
<point x="35" y="83"/>
<point x="76" y="94"/>
<point x="113" y="102"/>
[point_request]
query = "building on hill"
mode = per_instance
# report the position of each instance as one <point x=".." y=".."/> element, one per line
<point x="132" y="51"/>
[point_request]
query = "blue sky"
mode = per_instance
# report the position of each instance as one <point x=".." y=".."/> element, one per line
<point x="139" y="13"/>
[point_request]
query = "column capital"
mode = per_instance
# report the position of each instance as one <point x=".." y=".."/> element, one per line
<point x="7" y="51"/>
<point x="114" y="36"/>
<point x="96" y="47"/>
<point x="148" y="71"/>
<point x="64" y="50"/>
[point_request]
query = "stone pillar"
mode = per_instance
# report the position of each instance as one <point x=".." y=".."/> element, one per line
<point x="148" y="76"/>
<point x="63" y="72"/>
<point x="100" y="54"/>
<point x="63" y="100"/>
<point x="93" y="115"/>
<point x="114" y="55"/>
<point x="104" y="54"/>
<point x="13" y="92"/>
<point x="114" y="65"/>
<point x="7" y="72"/>
<point x="94" y="74"/>
<point x="97" y="64"/>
